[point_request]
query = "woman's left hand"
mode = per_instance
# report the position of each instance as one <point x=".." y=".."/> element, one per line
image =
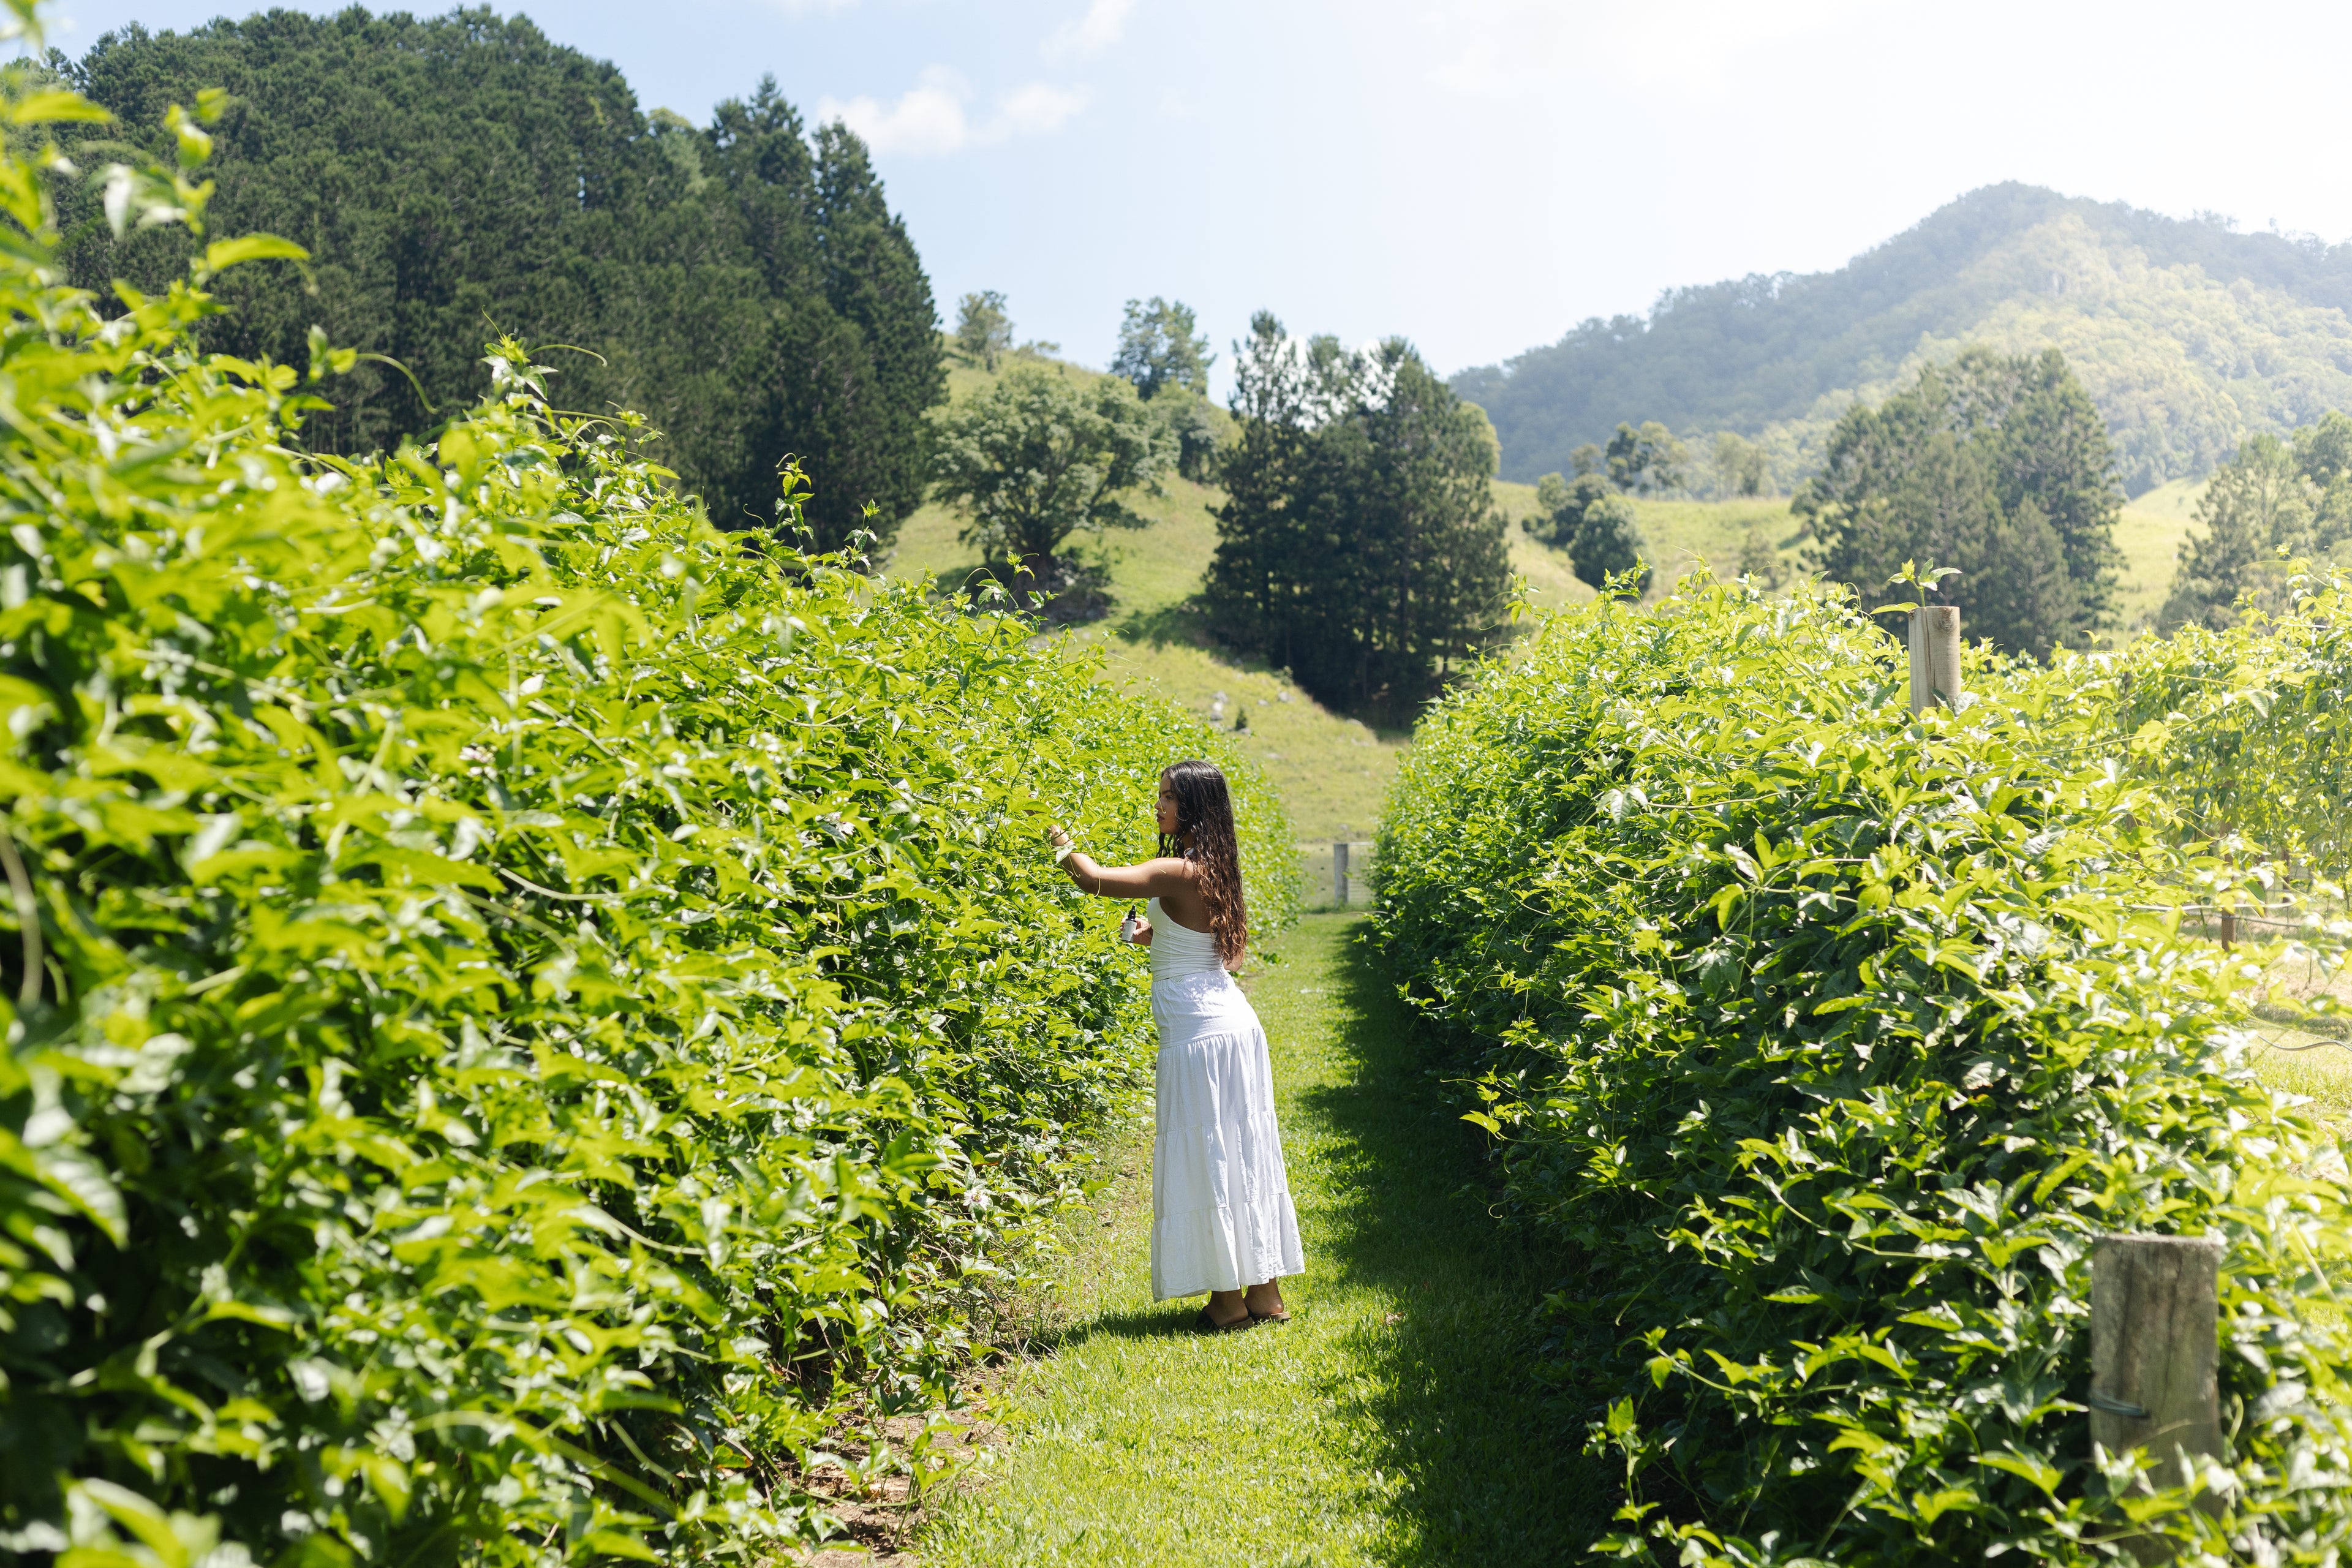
<point x="1054" y="837"/>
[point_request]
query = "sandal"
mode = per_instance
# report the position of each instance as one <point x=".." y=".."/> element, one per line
<point x="1258" y="1317"/>
<point x="1208" y="1325"/>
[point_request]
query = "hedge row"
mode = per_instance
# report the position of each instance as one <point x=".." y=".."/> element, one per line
<point x="1824" y="1042"/>
<point x="527" y="1016"/>
<point x="2248" y="731"/>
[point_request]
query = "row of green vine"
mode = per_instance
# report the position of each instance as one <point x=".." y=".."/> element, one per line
<point x="531" y="1020"/>
<point x="1823" y="1040"/>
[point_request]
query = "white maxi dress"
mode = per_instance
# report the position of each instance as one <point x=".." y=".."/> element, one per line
<point x="1221" y="1212"/>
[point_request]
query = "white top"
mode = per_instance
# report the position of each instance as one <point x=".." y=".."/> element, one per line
<point x="1178" y="950"/>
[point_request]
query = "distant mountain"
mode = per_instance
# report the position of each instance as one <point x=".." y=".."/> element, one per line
<point x="2188" y="334"/>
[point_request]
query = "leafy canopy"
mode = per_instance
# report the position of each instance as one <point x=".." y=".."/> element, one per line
<point x="1598" y="527"/>
<point x="745" y="286"/>
<point x="984" y="332"/>
<point x="1158" y="348"/>
<point x="2273" y="503"/>
<point x="1039" y="457"/>
<point x="1647" y="461"/>
<point x="1359" y="545"/>
<point x="1996" y="465"/>
<point x="1740" y="464"/>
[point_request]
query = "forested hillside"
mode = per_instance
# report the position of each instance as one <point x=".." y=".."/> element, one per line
<point x="745" y="285"/>
<point x="2188" y="336"/>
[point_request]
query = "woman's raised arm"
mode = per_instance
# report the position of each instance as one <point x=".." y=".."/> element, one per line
<point x="1150" y="880"/>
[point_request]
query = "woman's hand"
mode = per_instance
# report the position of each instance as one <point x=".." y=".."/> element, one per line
<point x="1142" y="937"/>
<point x="1054" y="837"/>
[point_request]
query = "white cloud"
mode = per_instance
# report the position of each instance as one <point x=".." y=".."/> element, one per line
<point x="935" y="117"/>
<point x="1098" y="29"/>
<point x="929" y="119"/>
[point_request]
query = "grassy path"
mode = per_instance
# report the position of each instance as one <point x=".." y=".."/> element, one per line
<point x="1391" y="1422"/>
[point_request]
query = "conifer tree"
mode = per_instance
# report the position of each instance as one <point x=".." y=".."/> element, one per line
<point x="459" y="176"/>
<point x="1358" y="546"/>
<point x="1997" y="466"/>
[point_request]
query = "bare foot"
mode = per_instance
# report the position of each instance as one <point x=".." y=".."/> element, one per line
<point x="1264" y="1301"/>
<point x="1227" y="1307"/>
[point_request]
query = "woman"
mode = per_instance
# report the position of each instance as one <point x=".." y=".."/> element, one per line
<point x="1221" y="1214"/>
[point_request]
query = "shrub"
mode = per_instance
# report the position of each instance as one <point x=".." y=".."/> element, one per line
<point x="1824" y="1041"/>
<point x="1608" y="543"/>
<point x="525" y="1016"/>
<point x="2248" y="730"/>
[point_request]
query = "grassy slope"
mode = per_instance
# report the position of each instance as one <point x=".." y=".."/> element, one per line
<point x="1390" y="1422"/>
<point x="1683" y="534"/>
<point x="2150" y="531"/>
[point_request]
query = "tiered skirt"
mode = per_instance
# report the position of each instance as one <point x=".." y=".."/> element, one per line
<point x="1221" y="1212"/>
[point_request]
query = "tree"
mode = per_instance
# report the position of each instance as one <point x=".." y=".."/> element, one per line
<point x="983" y="332"/>
<point x="1608" y="542"/>
<point x="855" y="349"/>
<point x="1647" y="461"/>
<point x="1359" y="545"/>
<point x="1157" y="348"/>
<point x="1739" y="465"/>
<point x="744" y="285"/>
<point x="1759" y="561"/>
<point x="1038" y="459"/>
<point x="1560" y="506"/>
<point x="2323" y="453"/>
<point x="2274" y="502"/>
<point x="1193" y="430"/>
<point x="1994" y="465"/>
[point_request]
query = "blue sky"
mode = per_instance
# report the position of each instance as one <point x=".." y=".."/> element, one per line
<point x="1476" y="174"/>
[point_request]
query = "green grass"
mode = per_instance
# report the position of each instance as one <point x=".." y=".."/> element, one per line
<point x="2149" y="532"/>
<point x="1392" y="1420"/>
<point x="1681" y="534"/>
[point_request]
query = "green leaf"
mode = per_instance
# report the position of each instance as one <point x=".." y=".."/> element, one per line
<point x="224" y="254"/>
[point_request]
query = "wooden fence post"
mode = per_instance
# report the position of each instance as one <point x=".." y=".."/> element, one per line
<point x="2155" y="1343"/>
<point x="1339" y="873"/>
<point x="1935" y="656"/>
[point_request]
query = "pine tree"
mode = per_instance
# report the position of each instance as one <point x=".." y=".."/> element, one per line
<point x="1997" y="466"/>
<point x="1608" y="542"/>
<point x="1359" y="545"/>
<point x="460" y="175"/>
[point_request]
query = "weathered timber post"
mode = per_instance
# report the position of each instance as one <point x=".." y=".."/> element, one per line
<point x="2156" y="1305"/>
<point x="1339" y="872"/>
<point x="1935" y="656"/>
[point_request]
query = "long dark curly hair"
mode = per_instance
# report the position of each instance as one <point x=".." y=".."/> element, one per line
<point x="1205" y="836"/>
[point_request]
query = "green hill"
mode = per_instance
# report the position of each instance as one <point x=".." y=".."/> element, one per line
<point x="2187" y="335"/>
